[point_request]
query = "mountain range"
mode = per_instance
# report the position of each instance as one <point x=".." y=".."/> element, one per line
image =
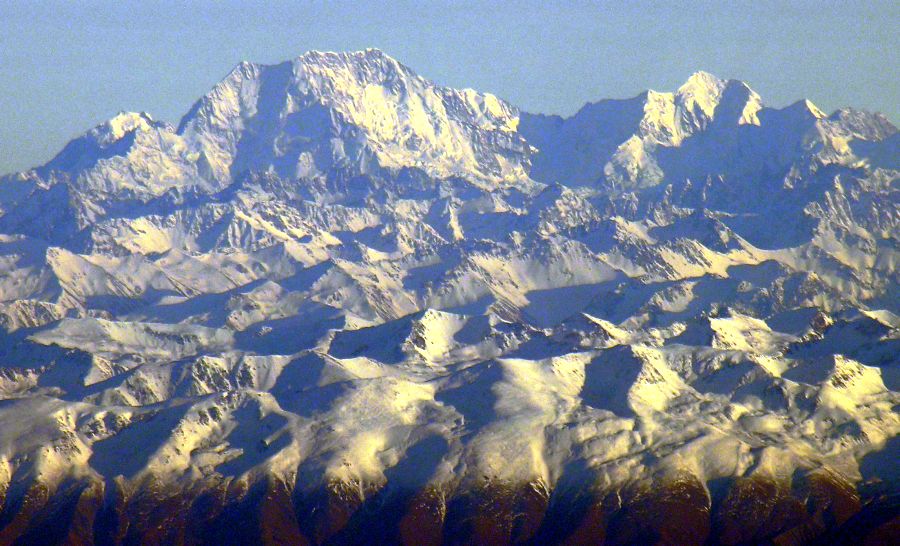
<point x="339" y="303"/>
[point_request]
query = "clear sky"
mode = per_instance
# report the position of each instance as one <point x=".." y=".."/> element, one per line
<point x="66" y="66"/>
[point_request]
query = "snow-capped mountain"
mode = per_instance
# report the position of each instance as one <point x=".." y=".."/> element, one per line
<point x="362" y="112"/>
<point x="339" y="303"/>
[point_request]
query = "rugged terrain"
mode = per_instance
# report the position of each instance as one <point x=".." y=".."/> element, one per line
<point x="339" y="303"/>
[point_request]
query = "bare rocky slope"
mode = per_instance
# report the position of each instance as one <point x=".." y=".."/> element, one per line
<point x="339" y="303"/>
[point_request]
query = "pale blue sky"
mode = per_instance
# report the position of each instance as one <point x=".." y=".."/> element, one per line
<point x="66" y="66"/>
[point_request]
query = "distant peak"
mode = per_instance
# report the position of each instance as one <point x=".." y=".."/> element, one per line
<point x="701" y="77"/>
<point x="241" y="71"/>
<point x="367" y="52"/>
<point x="705" y="83"/>
<point x="120" y="125"/>
<point x="373" y="52"/>
<point x="372" y="65"/>
<point x="123" y="115"/>
<point x="813" y="109"/>
<point x="807" y="107"/>
<point x="700" y="95"/>
<point x="370" y="54"/>
<point x="703" y="93"/>
<point x="867" y="125"/>
<point x="702" y="84"/>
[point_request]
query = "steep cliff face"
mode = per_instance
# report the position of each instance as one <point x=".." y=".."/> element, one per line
<point x="340" y="302"/>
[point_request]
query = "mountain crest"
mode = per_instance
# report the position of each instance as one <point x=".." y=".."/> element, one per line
<point x="701" y="91"/>
<point x="362" y="110"/>
<point x="704" y="98"/>
<point x="121" y="124"/>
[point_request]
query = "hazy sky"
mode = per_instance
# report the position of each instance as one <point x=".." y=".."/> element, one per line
<point x="66" y="66"/>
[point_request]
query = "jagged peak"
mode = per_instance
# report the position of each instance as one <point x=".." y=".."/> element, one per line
<point x="669" y="117"/>
<point x="121" y="124"/>
<point x="125" y="116"/>
<point x="310" y="70"/>
<point x="370" y="53"/>
<point x="363" y="67"/>
<point x="853" y="379"/>
<point x="808" y="104"/>
<point x="244" y="66"/>
<point x="407" y="120"/>
<point x="864" y="124"/>
<point x="111" y="137"/>
<point x="701" y="89"/>
<point x="702" y="80"/>
<point x="708" y="82"/>
<point x="355" y="68"/>
<point x="705" y="91"/>
<point x="370" y="65"/>
<point x="806" y="107"/>
<point x="322" y="62"/>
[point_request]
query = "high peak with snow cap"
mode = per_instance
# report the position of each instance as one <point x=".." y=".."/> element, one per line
<point x="324" y="111"/>
<point x="338" y="301"/>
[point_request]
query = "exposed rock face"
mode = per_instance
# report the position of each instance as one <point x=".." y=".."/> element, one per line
<point x="341" y="304"/>
<point x="670" y="511"/>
